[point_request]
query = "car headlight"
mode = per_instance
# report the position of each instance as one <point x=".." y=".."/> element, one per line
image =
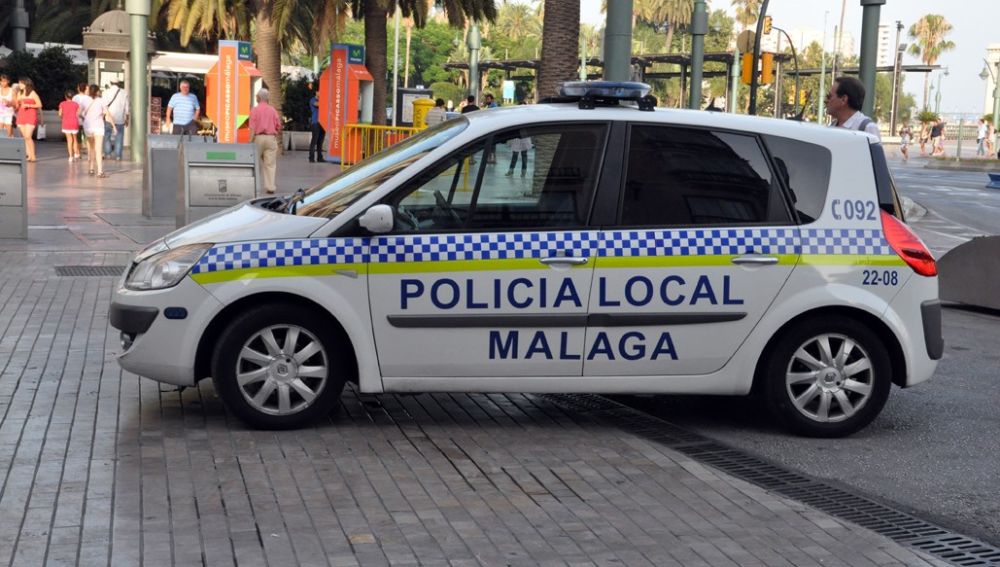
<point x="165" y="269"/>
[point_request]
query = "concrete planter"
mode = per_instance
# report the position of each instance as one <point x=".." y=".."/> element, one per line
<point x="297" y="141"/>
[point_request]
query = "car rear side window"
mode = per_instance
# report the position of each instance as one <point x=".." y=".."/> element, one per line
<point x="692" y="177"/>
<point x="805" y="168"/>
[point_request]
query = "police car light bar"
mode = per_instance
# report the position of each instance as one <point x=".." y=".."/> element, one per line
<point x="591" y="93"/>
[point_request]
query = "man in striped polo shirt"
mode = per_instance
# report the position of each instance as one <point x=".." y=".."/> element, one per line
<point x="184" y="109"/>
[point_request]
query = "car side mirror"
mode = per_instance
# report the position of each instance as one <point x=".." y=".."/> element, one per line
<point x="378" y="219"/>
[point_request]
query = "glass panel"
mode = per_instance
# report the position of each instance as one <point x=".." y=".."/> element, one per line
<point x="685" y="177"/>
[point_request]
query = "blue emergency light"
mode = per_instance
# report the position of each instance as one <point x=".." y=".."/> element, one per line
<point x="590" y="94"/>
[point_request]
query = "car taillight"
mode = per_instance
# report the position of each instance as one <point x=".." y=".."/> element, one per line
<point x="908" y="245"/>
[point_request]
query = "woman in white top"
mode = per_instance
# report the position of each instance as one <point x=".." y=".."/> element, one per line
<point x="94" y="115"/>
<point x="7" y="94"/>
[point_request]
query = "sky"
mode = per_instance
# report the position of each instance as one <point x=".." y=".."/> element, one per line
<point x="976" y="25"/>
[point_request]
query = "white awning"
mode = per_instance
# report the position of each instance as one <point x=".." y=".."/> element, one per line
<point x="183" y="63"/>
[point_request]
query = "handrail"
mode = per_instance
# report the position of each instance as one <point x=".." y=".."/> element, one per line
<point x="362" y="140"/>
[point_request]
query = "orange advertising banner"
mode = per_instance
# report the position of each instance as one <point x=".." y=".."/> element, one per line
<point x="227" y="92"/>
<point x="333" y="114"/>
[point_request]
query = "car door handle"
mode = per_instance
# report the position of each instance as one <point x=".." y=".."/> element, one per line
<point x="563" y="260"/>
<point x="754" y="259"/>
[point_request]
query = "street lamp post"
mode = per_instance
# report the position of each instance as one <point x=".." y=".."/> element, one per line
<point x="474" y="43"/>
<point x="937" y="95"/>
<point x="897" y="86"/>
<point x="699" y="28"/>
<point x="869" y="50"/>
<point x="895" y="81"/>
<point x="138" y="11"/>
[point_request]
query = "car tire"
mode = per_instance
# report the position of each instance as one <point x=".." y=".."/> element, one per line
<point x="827" y="377"/>
<point x="279" y="366"/>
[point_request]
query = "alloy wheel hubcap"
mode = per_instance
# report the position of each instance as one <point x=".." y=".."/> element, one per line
<point x="282" y="369"/>
<point x="829" y="378"/>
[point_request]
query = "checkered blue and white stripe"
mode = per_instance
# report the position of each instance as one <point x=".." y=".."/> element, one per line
<point x="494" y="246"/>
<point x="861" y="241"/>
<point x="506" y="246"/>
<point x="270" y="254"/>
<point x="694" y="242"/>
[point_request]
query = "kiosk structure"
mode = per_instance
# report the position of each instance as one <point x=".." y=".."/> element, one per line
<point x="231" y="87"/>
<point x="345" y="97"/>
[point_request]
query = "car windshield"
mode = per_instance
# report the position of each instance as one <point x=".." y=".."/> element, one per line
<point x="332" y="196"/>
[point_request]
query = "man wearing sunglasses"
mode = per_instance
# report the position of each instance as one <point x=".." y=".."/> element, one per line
<point x="844" y="102"/>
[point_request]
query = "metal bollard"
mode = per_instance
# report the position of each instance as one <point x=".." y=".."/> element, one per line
<point x="961" y="127"/>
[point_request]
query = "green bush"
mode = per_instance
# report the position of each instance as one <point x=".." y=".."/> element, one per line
<point x="295" y="107"/>
<point x="448" y="91"/>
<point x="926" y="116"/>
<point x="52" y="72"/>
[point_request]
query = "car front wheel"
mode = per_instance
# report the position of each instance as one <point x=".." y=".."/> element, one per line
<point x="279" y="367"/>
<point x="828" y="377"/>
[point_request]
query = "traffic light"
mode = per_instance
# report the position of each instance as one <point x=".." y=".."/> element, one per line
<point x="746" y="68"/>
<point x="766" y="68"/>
<point x="767" y="25"/>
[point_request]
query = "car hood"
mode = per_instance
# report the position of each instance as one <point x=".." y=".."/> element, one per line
<point x="242" y="223"/>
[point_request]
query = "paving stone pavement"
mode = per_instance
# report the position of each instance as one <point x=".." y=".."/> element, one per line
<point x="101" y="467"/>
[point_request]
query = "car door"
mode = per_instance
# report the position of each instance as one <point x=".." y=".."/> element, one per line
<point x="488" y="270"/>
<point x="703" y="243"/>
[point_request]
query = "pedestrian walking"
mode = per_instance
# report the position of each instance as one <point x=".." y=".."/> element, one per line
<point x="116" y="100"/>
<point x="936" y="131"/>
<point x="69" y="112"/>
<point x="7" y="95"/>
<point x="318" y="133"/>
<point x="183" y="111"/>
<point x="981" y="138"/>
<point x="990" y="137"/>
<point x="937" y="138"/>
<point x="904" y="142"/>
<point x="925" y="136"/>
<point x="82" y="99"/>
<point x="844" y="102"/>
<point x="470" y="105"/>
<point x="437" y="114"/>
<point x="29" y="108"/>
<point x="94" y="116"/>
<point x="519" y="146"/>
<point x="264" y="128"/>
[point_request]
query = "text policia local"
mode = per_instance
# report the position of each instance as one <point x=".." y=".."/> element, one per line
<point x="552" y="294"/>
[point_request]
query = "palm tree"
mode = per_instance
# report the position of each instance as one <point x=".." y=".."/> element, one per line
<point x="211" y="19"/>
<point x="560" y="40"/>
<point x="746" y="11"/>
<point x="375" y="12"/>
<point x="929" y="43"/>
<point x="675" y="13"/>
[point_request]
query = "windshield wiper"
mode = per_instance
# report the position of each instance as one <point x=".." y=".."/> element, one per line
<point x="294" y="200"/>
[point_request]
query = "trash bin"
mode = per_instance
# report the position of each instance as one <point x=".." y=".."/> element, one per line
<point x="159" y="177"/>
<point x="214" y="177"/>
<point x="13" y="190"/>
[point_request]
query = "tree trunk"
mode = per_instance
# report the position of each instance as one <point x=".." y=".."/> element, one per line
<point x="375" y="55"/>
<point x="560" y="41"/>
<point x="268" y="52"/>
<point x="670" y="37"/>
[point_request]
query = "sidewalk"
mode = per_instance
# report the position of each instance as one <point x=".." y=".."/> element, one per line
<point x="100" y="467"/>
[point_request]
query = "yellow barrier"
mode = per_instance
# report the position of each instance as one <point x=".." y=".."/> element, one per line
<point x="362" y="140"/>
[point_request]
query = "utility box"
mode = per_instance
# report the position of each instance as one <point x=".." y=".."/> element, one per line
<point x="159" y="177"/>
<point x="213" y="177"/>
<point x="13" y="190"/>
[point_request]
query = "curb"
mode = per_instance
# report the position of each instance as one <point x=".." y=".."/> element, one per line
<point x="983" y="166"/>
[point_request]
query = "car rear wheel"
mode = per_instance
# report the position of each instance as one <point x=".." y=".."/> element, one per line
<point x="827" y="377"/>
<point x="279" y="367"/>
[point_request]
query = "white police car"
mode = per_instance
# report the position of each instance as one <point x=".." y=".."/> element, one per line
<point x="573" y="246"/>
